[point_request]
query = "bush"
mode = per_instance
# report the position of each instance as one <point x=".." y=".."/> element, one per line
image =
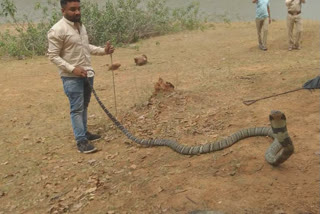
<point x="27" y="38"/>
<point x="122" y="22"/>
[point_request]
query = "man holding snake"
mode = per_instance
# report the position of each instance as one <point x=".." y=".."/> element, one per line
<point x="70" y="51"/>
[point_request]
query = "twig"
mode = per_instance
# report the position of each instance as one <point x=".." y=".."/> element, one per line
<point x="191" y="200"/>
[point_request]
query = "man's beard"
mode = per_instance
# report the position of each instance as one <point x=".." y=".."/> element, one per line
<point x="74" y="19"/>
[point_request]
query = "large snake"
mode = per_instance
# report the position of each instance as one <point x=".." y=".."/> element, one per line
<point x="278" y="152"/>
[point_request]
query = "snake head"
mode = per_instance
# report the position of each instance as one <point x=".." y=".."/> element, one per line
<point x="277" y="115"/>
<point x="278" y="121"/>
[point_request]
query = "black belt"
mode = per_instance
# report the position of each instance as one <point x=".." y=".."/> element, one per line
<point x="294" y="13"/>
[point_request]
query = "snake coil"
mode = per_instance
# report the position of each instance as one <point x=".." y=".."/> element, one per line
<point x="278" y="152"/>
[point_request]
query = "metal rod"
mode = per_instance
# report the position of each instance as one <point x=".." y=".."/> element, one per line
<point x="114" y="86"/>
<point x="249" y="102"/>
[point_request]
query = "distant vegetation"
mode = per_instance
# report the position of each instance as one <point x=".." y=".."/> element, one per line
<point x="121" y="22"/>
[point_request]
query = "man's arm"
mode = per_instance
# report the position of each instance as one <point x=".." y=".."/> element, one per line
<point x="94" y="50"/>
<point x="54" y="49"/>
<point x="108" y="49"/>
<point x="254" y="1"/>
<point x="302" y="1"/>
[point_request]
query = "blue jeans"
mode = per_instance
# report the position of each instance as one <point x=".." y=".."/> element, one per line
<point x="79" y="92"/>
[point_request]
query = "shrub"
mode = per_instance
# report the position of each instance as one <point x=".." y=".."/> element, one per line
<point x="121" y="22"/>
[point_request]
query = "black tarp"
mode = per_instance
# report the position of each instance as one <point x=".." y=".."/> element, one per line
<point x="312" y="84"/>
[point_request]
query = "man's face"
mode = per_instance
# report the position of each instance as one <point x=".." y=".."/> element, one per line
<point x="72" y="11"/>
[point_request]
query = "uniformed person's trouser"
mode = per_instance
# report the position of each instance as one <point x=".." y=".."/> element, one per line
<point x="294" y="21"/>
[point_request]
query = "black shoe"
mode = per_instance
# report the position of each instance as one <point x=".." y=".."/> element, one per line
<point x="92" y="137"/>
<point x="85" y="147"/>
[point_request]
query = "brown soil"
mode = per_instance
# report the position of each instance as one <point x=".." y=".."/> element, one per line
<point x="213" y="73"/>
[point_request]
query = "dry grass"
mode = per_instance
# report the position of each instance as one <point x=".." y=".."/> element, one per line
<point x="213" y="72"/>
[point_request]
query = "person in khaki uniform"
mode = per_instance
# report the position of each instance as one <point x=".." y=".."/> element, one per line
<point x="262" y="21"/>
<point x="294" y="21"/>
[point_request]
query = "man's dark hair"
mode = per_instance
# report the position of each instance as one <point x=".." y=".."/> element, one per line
<point x="63" y="3"/>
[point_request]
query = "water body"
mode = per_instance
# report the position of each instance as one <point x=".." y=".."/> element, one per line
<point x="215" y="10"/>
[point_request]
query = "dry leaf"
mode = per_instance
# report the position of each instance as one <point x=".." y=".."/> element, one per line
<point x="91" y="190"/>
<point x="160" y="189"/>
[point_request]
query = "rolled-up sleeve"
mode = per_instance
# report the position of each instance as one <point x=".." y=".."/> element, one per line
<point x="54" y="51"/>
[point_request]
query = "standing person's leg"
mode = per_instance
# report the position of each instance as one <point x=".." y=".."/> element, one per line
<point x="298" y="34"/>
<point x="259" y="27"/>
<point x="87" y="96"/>
<point x="290" y="24"/>
<point x="265" y="25"/>
<point x="74" y="89"/>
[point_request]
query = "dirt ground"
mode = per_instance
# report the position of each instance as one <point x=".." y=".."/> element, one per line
<point x="213" y="72"/>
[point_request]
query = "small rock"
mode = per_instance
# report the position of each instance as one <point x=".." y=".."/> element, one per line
<point x="141" y="60"/>
<point x="114" y="66"/>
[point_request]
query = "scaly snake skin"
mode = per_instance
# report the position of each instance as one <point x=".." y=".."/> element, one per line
<point x="278" y="152"/>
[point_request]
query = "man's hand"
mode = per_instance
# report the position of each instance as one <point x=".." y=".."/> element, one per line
<point x="109" y="49"/>
<point x="254" y="1"/>
<point x="269" y="20"/>
<point x="79" y="71"/>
